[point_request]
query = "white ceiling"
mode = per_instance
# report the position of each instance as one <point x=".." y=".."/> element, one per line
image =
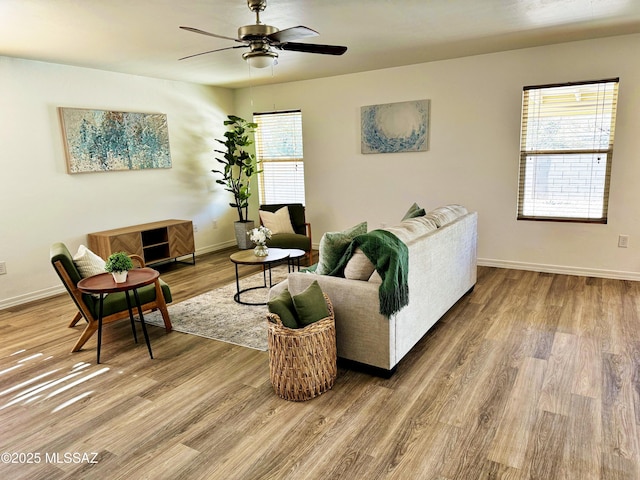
<point x="142" y="36"/>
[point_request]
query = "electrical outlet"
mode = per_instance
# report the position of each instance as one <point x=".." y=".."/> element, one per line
<point x="3" y="268"/>
<point x="195" y="228"/>
<point x="214" y="223"/>
<point x="623" y="241"/>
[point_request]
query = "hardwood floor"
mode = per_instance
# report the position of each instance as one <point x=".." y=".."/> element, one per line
<point x="531" y="376"/>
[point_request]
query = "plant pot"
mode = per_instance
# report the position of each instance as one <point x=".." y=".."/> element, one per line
<point x="120" y="277"/>
<point x="242" y="239"/>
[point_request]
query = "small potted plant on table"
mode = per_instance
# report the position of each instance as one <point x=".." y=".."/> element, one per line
<point x="118" y="264"/>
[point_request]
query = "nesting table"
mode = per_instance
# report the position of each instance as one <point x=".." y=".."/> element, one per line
<point x="276" y="256"/>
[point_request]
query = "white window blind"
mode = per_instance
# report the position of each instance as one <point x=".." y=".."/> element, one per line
<point x="279" y="148"/>
<point x="566" y="149"/>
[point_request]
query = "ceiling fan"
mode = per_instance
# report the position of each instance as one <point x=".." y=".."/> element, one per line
<point x="262" y="39"/>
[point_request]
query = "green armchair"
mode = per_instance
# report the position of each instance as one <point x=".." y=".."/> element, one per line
<point x="152" y="297"/>
<point x="301" y="239"/>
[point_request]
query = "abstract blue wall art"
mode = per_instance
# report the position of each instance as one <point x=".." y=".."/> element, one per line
<point x="395" y="127"/>
<point x="107" y="141"/>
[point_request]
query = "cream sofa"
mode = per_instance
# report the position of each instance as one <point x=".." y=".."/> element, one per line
<point x="442" y="268"/>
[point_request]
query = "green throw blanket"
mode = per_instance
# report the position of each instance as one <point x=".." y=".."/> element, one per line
<point x="390" y="256"/>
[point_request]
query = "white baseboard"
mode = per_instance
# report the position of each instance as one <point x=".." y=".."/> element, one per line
<point x="57" y="290"/>
<point x="560" y="269"/>
<point x="215" y="248"/>
<point x="31" y="297"/>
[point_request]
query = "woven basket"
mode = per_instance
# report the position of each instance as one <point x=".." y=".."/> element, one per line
<point x="302" y="361"/>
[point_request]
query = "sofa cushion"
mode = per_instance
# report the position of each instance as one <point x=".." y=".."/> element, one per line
<point x="415" y="227"/>
<point x="310" y="305"/>
<point x="359" y="266"/>
<point x="290" y="240"/>
<point x="277" y="222"/>
<point x="414" y="211"/>
<point x="446" y="214"/>
<point x="334" y="244"/>
<point x="429" y="223"/>
<point x="282" y="305"/>
<point x="409" y="229"/>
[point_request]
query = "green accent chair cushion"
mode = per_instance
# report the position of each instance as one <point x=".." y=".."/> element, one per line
<point x="290" y="240"/>
<point x="117" y="302"/>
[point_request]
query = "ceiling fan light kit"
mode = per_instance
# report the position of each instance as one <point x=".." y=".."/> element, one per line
<point x="260" y="59"/>
<point x="261" y="40"/>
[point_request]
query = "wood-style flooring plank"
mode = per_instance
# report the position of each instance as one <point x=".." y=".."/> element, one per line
<point x="510" y="444"/>
<point x="555" y="396"/>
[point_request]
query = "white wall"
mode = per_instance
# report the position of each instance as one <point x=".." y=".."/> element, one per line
<point x="40" y="203"/>
<point x="473" y="153"/>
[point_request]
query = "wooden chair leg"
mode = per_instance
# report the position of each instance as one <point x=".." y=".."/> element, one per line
<point x="308" y="257"/>
<point x="88" y="332"/>
<point x="162" y="306"/>
<point x="75" y="320"/>
<point x="165" y="316"/>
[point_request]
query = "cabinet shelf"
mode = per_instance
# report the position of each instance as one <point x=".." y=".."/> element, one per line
<point x="155" y="242"/>
<point x="154" y="245"/>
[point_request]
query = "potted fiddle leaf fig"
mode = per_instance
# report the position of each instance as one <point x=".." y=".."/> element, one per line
<point x="238" y="166"/>
<point x="118" y="264"/>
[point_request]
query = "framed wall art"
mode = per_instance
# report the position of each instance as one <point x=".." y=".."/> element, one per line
<point x="106" y="141"/>
<point x="395" y="127"/>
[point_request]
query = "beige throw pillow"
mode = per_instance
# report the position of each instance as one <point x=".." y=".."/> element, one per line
<point x="277" y="222"/>
<point x="87" y="262"/>
<point x="359" y="266"/>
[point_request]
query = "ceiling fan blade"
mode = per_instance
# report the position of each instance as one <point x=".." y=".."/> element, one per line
<point x="216" y="50"/>
<point x="202" y="32"/>
<point x="313" y="48"/>
<point x="293" y="33"/>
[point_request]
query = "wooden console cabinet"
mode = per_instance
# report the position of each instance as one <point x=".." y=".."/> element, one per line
<point x="155" y="242"/>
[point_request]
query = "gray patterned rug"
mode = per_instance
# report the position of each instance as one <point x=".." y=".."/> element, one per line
<point x="216" y="315"/>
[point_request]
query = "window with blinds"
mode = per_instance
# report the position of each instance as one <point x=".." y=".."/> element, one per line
<point x="566" y="149"/>
<point x="279" y="148"/>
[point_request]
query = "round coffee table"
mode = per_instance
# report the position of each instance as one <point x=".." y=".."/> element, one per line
<point x="246" y="257"/>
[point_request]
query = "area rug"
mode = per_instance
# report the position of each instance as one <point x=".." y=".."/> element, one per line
<point x="216" y="315"/>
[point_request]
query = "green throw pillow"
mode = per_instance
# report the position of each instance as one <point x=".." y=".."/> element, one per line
<point x="282" y="305"/>
<point x="311" y="305"/>
<point x="413" y="212"/>
<point x="334" y="244"/>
